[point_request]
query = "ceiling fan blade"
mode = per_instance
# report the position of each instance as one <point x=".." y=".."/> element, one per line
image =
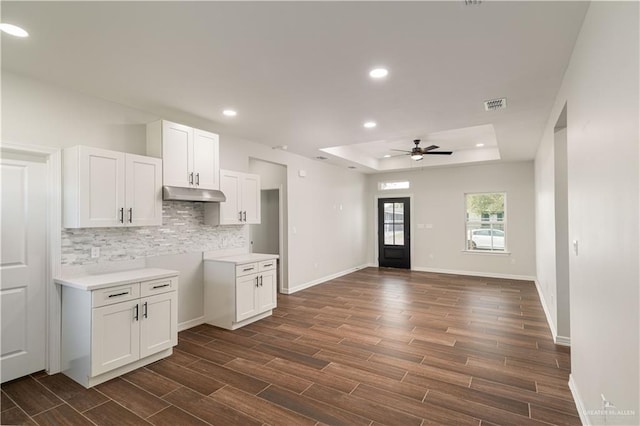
<point x="398" y="155"/>
<point x="429" y="148"/>
<point x="401" y="150"/>
<point x="439" y="153"/>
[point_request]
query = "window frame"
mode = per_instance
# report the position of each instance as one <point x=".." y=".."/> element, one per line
<point x="470" y="225"/>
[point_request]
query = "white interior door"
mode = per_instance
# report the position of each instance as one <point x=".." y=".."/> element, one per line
<point x="22" y="267"/>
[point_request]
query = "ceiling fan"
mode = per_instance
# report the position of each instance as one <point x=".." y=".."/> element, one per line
<point x="417" y="153"/>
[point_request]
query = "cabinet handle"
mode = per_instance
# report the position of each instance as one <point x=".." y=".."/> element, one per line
<point x="270" y="264"/>
<point x="257" y="282"/>
<point x="135" y="315"/>
<point x="122" y="215"/>
<point x="130" y="215"/>
<point x="247" y="269"/>
<point x="240" y="216"/>
<point x="191" y="178"/>
<point x="245" y="215"/>
<point x="260" y="280"/>
<point x="160" y="286"/>
<point x="198" y="179"/>
<point x="144" y="312"/>
<point x="119" y="294"/>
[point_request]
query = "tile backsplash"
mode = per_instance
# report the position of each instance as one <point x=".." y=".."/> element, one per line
<point x="182" y="231"/>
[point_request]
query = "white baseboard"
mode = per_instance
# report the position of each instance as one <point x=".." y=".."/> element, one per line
<point x="547" y="314"/>
<point x="191" y="323"/>
<point x="323" y="279"/>
<point x="474" y="274"/>
<point x="558" y="340"/>
<point x="578" y="400"/>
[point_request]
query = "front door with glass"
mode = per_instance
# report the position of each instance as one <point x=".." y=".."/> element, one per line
<point x="394" y="233"/>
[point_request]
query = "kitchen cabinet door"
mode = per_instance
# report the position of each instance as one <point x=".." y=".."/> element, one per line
<point x="158" y="323"/>
<point x="115" y="336"/>
<point x="230" y="185"/>
<point x="143" y="191"/>
<point x="267" y="291"/>
<point x="251" y="199"/>
<point x="100" y="191"/>
<point x="177" y="151"/>
<point x="246" y="297"/>
<point x="206" y="162"/>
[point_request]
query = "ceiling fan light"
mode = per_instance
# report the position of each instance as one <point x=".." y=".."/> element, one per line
<point x="416" y="157"/>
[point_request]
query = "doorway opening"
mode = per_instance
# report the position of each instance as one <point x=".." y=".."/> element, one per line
<point x="394" y="233"/>
<point x="268" y="236"/>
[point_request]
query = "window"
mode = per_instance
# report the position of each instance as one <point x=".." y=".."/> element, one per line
<point x="385" y="186"/>
<point x="486" y="220"/>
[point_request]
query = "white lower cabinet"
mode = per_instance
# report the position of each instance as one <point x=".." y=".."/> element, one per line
<point x="237" y="293"/>
<point x="112" y="330"/>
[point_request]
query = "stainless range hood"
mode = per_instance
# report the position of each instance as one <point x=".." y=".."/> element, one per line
<point x="175" y="193"/>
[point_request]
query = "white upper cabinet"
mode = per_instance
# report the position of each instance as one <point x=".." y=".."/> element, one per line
<point x="143" y="190"/>
<point x="242" y="206"/>
<point x="104" y="188"/>
<point x="206" y="159"/>
<point x="177" y="150"/>
<point x="191" y="156"/>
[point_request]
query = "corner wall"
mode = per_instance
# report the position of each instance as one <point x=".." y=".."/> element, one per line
<point x="601" y="91"/>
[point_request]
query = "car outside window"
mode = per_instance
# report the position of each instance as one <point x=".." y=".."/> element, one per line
<point x="486" y="220"/>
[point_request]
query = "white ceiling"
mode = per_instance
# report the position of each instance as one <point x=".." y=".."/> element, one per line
<point x="297" y="72"/>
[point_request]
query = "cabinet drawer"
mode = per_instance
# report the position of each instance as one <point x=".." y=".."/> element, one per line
<point x="246" y="269"/>
<point x="148" y="288"/>
<point x="111" y="295"/>
<point x="267" y="265"/>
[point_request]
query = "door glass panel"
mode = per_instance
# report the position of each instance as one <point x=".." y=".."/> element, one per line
<point x="398" y="213"/>
<point x="388" y="212"/>
<point x="388" y="234"/>
<point x="399" y="234"/>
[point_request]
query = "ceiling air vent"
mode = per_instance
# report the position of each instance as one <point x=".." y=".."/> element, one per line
<point x="320" y="157"/>
<point x="472" y="2"/>
<point x="494" y="104"/>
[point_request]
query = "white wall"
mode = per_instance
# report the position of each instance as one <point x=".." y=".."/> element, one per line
<point x="600" y="89"/>
<point x="38" y="113"/>
<point x="438" y="200"/>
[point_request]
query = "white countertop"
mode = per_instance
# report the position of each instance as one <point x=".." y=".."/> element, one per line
<point x="93" y="282"/>
<point x="241" y="258"/>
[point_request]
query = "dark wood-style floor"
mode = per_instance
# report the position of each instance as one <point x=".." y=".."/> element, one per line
<point x="374" y="347"/>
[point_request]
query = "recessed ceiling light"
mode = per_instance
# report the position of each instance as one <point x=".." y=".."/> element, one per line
<point x="370" y="124"/>
<point x="479" y="145"/>
<point x="13" y="30"/>
<point x="387" y="155"/>
<point x="230" y="112"/>
<point x="378" y="73"/>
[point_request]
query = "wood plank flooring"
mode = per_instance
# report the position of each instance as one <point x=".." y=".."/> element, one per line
<point x="378" y="346"/>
